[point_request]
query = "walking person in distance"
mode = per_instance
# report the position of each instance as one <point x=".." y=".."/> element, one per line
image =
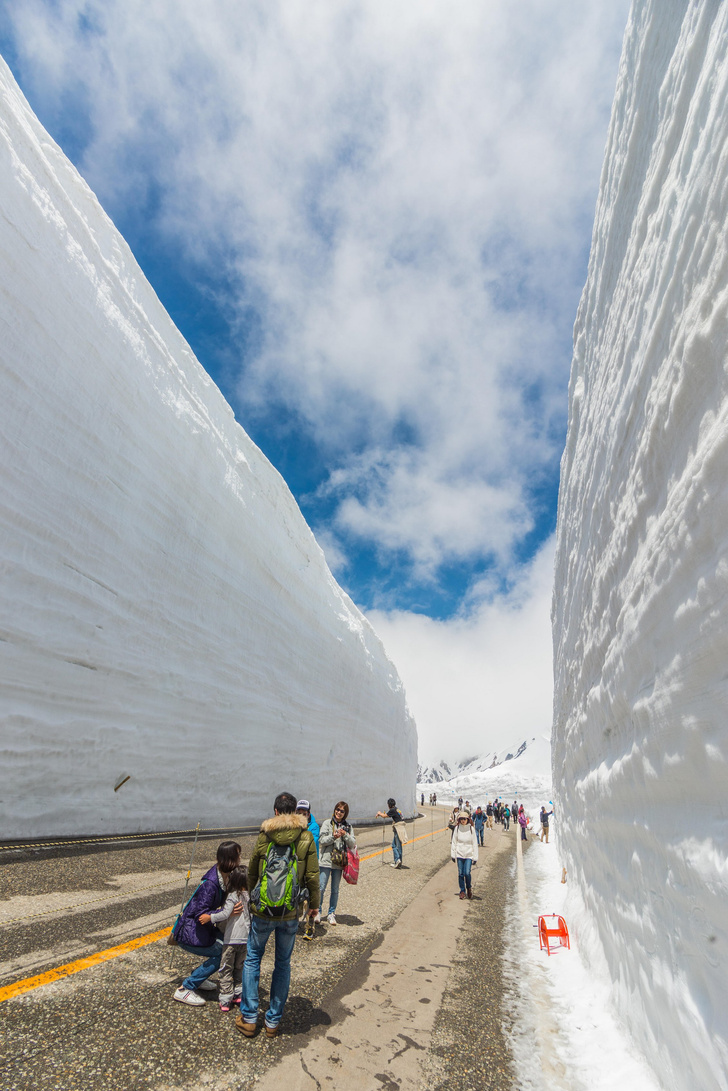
<point x="464" y="851"/>
<point x="479" y="823"/>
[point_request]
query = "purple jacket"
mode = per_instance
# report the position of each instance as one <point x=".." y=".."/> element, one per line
<point x="522" y="818"/>
<point x="208" y="898"/>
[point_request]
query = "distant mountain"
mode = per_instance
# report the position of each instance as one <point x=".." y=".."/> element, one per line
<point x="441" y="771"/>
<point x="521" y="772"/>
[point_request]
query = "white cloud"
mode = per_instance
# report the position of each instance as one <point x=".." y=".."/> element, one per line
<point x="483" y="681"/>
<point x="401" y="190"/>
<point x="414" y="501"/>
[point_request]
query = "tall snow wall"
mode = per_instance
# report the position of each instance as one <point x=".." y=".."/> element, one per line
<point x="640" y="613"/>
<point x="167" y="614"/>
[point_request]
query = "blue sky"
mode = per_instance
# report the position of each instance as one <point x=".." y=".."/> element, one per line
<point x="372" y="224"/>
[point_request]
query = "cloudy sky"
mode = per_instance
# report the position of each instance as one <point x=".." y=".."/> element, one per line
<point x="372" y="222"/>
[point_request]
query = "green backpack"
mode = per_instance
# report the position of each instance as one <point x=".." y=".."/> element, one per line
<point x="277" y="891"/>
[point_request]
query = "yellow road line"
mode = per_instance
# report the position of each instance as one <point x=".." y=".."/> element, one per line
<point x="381" y="852"/>
<point x="29" y="983"/>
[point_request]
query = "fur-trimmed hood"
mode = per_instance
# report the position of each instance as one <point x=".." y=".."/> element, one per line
<point x="284" y="828"/>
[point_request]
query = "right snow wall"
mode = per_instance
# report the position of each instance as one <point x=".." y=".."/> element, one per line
<point x="640" y="610"/>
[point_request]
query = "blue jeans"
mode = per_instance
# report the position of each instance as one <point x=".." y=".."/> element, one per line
<point x="464" y="867"/>
<point x="212" y="956"/>
<point x="396" y="848"/>
<point x="335" y="873"/>
<point x="260" y="931"/>
<point x="479" y="830"/>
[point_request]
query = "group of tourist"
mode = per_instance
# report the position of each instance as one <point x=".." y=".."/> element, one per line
<point x="234" y="911"/>
<point x="495" y="811"/>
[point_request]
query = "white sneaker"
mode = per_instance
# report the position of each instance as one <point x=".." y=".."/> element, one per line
<point x="186" y="996"/>
<point x="207" y="985"/>
<point x="317" y="918"/>
<point x="331" y="918"/>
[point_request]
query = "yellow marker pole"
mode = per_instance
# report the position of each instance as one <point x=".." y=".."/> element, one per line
<point x="187" y="880"/>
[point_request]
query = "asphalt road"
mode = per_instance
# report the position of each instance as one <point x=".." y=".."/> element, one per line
<point x="115" y="1025"/>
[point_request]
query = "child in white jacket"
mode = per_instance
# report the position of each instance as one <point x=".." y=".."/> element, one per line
<point x="464" y="850"/>
<point x="235" y="939"/>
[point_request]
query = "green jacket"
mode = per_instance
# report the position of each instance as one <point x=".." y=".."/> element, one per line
<point x="288" y="829"/>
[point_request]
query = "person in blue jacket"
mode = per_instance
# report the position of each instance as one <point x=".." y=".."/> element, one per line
<point x="304" y="807"/>
<point x="204" y="940"/>
<point x="479" y="823"/>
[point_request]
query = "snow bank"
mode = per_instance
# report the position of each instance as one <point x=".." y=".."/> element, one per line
<point x="640" y="612"/>
<point x="566" y="1037"/>
<point x="167" y="613"/>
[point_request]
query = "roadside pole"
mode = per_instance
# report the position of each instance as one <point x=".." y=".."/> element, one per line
<point x="187" y="883"/>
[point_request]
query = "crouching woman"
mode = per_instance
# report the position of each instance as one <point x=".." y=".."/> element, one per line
<point x="201" y="938"/>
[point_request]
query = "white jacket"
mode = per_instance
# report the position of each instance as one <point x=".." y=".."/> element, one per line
<point x="237" y="929"/>
<point x="464" y="843"/>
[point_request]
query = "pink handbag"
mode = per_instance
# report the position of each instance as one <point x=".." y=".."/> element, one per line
<point x="351" y="869"/>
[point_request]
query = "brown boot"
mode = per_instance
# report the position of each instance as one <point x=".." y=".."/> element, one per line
<point x="462" y="894"/>
<point x="470" y="892"/>
<point x="271" y="1032"/>
<point x="249" y="1030"/>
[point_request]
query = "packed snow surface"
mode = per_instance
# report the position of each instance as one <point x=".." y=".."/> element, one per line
<point x="167" y="614"/>
<point x="567" y="1035"/>
<point x="640" y="615"/>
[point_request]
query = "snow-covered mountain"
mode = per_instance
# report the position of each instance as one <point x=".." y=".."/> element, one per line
<point x="167" y="614"/>
<point x="522" y="773"/>
<point x="441" y="771"/>
<point x="640" y="612"/>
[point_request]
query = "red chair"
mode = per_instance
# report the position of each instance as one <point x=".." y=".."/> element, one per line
<point x="550" y="935"/>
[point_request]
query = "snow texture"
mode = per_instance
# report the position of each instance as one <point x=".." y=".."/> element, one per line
<point x="640" y="613"/>
<point x="567" y="1036"/>
<point x="167" y="613"/>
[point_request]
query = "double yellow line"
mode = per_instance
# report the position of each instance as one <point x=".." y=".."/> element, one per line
<point x="29" y="983"/>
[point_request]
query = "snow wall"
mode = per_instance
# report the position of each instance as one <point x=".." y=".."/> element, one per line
<point x="167" y="613"/>
<point x="640" y="614"/>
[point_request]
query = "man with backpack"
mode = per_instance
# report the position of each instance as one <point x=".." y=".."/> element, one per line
<point x="283" y="865"/>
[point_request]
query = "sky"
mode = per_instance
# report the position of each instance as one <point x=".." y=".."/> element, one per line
<point x="372" y="224"/>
